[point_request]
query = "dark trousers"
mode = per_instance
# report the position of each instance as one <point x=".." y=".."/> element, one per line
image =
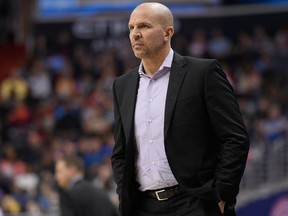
<point x="181" y="205"/>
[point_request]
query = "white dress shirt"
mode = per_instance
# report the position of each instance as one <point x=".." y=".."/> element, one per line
<point x="152" y="167"/>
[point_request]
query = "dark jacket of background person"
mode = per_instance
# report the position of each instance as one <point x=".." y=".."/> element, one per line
<point x="79" y="197"/>
<point x="206" y="142"/>
<point x="83" y="199"/>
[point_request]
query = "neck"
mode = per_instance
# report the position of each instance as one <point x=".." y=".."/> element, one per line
<point x="75" y="179"/>
<point x="151" y="65"/>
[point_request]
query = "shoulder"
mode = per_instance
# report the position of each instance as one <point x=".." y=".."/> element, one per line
<point x="126" y="84"/>
<point x="193" y="61"/>
<point x="196" y="67"/>
<point x="86" y="188"/>
<point x="82" y="185"/>
<point x="125" y="77"/>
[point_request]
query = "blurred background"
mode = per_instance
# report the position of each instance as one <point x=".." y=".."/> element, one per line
<point x="58" y="59"/>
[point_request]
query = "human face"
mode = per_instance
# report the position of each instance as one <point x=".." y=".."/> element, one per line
<point x="63" y="174"/>
<point x="147" y="34"/>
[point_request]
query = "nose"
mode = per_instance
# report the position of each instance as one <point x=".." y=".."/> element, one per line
<point x="135" y="33"/>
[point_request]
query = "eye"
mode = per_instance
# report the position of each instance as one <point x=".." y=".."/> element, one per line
<point x="144" y="26"/>
<point x="130" y="28"/>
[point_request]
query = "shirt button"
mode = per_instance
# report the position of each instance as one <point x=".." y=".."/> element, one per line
<point x="158" y="182"/>
<point x="153" y="162"/>
<point x="151" y="141"/>
<point x="149" y="120"/>
<point x="150" y="100"/>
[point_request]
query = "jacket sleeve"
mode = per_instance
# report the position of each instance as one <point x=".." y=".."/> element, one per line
<point x="118" y="155"/>
<point x="229" y="127"/>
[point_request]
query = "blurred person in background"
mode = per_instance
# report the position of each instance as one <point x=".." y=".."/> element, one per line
<point x="11" y="165"/>
<point x="14" y="87"/>
<point x="198" y="45"/>
<point x="10" y="205"/>
<point x="39" y="82"/>
<point x="180" y="141"/>
<point x="79" y="197"/>
<point x="275" y="126"/>
<point x="219" y="45"/>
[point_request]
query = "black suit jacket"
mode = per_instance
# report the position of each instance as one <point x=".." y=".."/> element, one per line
<point x="83" y="199"/>
<point x="206" y="141"/>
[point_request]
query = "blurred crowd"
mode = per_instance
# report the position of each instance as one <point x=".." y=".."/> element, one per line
<point x="59" y="102"/>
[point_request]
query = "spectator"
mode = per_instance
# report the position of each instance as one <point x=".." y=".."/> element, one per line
<point x="248" y="79"/>
<point x="10" y="165"/>
<point x="198" y="44"/>
<point x="40" y="46"/>
<point x="18" y="119"/>
<point x="78" y="197"/>
<point x="275" y="126"/>
<point x="281" y="54"/>
<point x="244" y="48"/>
<point x="14" y="87"/>
<point x="261" y="41"/>
<point x="39" y="81"/>
<point x="10" y="205"/>
<point x="219" y="45"/>
<point x="65" y="85"/>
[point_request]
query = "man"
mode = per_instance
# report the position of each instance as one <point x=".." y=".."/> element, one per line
<point x="180" y="141"/>
<point x="77" y="196"/>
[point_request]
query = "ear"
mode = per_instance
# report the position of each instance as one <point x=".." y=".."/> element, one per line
<point x="168" y="33"/>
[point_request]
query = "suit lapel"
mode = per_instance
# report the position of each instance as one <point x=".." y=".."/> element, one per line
<point x="177" y="75"/>
<point x="129" y="103"/>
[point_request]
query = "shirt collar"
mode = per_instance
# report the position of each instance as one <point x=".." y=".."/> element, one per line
<point x="167" y="63"/>
<point x="74" y="180"/>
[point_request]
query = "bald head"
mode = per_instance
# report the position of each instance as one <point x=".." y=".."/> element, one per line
<point x="151" y="29"/>
<point x="162" y="13"/>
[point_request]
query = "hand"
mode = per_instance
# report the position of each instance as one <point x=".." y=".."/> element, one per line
<point x="221" y="205"/>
